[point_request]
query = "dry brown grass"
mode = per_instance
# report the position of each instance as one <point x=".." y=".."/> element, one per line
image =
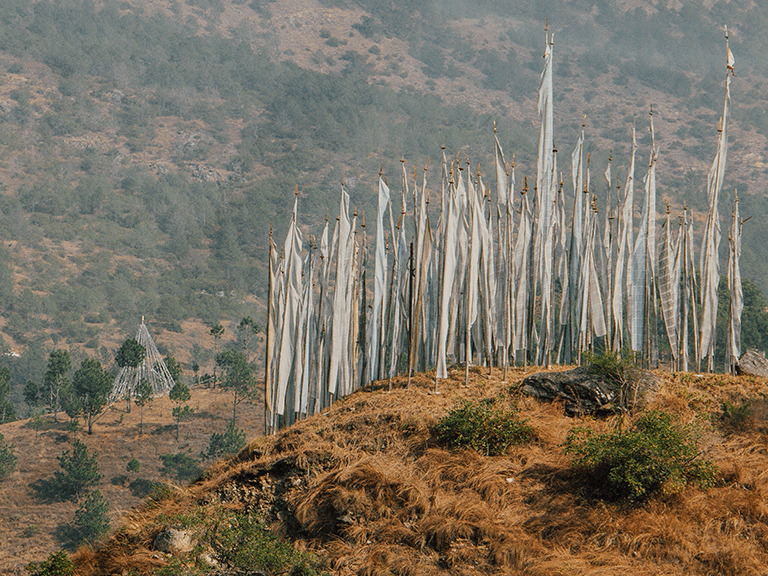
<point x="365" y="486"/>
<point x="116" y="442"/>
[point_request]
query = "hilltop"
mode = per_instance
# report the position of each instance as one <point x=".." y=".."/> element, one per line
<point x="366" y="487"/>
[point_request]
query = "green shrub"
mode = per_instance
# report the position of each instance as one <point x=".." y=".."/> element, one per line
<point x="181" y="465"/>
<point x="616" y="367"/>
<point x="225" y="444"/>
<point x="246" y="543"/>
<point x="658" y="454"/>
<point x="141" y="487"/>
<point x="486" y="426"/>
<point x="737" y="418"/>
<point x="133" y="465"/>
<point x="57" y="564"/>
<point x="7" y="459"/>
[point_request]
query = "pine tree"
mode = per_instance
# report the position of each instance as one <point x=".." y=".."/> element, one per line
<point x="239" y="378"/>
<point x="143" y="396"/>
<point x="55" y="379"/>
<point x="91" y="384"/>
<point x="7" y="459"/>
<point x="7" y="410"/>
<point x="92" y="518"/>
<point x="180" y="394"/>
<point x="130" y="355"/>
<point x="80" y="471"/>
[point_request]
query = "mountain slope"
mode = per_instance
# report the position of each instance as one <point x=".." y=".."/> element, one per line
<point x="147" y="148"/>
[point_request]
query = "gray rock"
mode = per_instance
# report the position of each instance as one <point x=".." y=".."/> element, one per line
<point x="753" y="363"/>
<point x="207" y="560"/>
<point x="174" y="542"/>
<point x="586" y="391"/>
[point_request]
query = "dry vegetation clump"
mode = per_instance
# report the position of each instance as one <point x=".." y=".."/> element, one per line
<point x="368" y="487"/>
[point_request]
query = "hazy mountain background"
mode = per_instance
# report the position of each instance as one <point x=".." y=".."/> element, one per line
<point x="147" y="146"/>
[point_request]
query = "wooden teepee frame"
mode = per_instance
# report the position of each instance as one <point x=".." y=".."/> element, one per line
<point x="152" y="368"/>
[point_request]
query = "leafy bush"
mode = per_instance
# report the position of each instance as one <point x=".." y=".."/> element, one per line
<point x="57" y="564"/>
<point x="737" y="418"/>
<point x="616" y="367"/>
<point x="141" y="487"/>
<point x="181" y="465"/>
<point x="7" y="459"/>
<point x="619" y="370"/>
<point x="225" y="444"/>
<point x="246" y="543"/>
<point x="486" y="426"/>
<point x="658" y="454"/>
<point x="133" y="465"/>
<point x="91" y="518"/>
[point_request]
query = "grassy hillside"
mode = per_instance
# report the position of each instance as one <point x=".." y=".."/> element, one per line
<point x="368" y="489"/>
<point x="35" y="522"/>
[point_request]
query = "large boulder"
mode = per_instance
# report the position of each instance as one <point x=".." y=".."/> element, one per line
<point x="585" y="390"/>
<point x="753" y="363"/>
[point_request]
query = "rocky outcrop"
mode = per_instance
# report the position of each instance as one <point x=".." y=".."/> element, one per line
<point x="753" y="363"/>
<point x="174" y="542"/>
<point x="585" y="390"/>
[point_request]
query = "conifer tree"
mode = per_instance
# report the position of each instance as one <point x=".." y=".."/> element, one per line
<point x="92" y="384"/>
<point x="79" y="471"/>
<point x="142" y="396"/>
<point x="92" y="518"/>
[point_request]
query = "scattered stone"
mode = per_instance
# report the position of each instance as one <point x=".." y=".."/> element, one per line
<point x="207" y="560"/>
<point x="174" y="542"/>
<point x="586" y="391"/>
<point x="752" y="363"/>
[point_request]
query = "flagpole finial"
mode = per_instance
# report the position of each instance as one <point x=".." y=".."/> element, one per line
<point x="427" y="166"/>
<point x="494" y="126"/>
<point x="381" y="170"/>
<point x="584" y="122"/>
<point x="270" y="226"/>
<point x="142" y="318"/>
<point x="513" y="159"/>
<point x="685" y="205"/>
<point x="525" y="185"/>
<point x="546" y="24"/>
<point x="736" y="194"/>
<point x="402" y="159"/>
<point x="667" y="203"/>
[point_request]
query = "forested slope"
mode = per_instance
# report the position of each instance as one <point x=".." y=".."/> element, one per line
<point x="147" y="147"/>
